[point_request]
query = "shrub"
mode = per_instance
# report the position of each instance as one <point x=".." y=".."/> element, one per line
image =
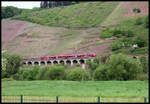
<point x="139" y="21"/>
<point x="143" y="50"/>
<point x="77" y="74"/>
<point x="56" y="73"/>
<point x="142" y="77"/>
<point x="106" y="33"/>
<point x="4" y="74"/>
<point x="116" y="45"/>
<point x="137" y="10"/>
<point x="10" y="11"/>
<point x="92" y="65"/>
<point x="101" y="73"/>
<point x="117" y="32"/>
<point x="140" y="42"/>
<point x="127" y="42"/>
<point x="41" y="73"/>
<point x="134" y="10"/>
<point x="146" y="22"/>
<point x="128" y="33"/>
<point x="104" y="58"/>
<point x="7" y="79"/>
<point x="122" y="67"/>
<point x="23" y="74"/>
<point x="144" y="63"/>
<point x="13" y="64"/>
<point x="51" y="73"/>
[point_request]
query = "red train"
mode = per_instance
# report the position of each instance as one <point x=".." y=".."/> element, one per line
<point x="85" y="55"/>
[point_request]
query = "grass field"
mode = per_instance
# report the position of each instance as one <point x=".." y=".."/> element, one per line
<point x="86" y="91"/>
<point x="127" y="89"/>
<point x="73" y="91"/>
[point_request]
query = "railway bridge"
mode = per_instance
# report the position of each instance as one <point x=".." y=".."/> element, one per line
<point x="70" y="61"/>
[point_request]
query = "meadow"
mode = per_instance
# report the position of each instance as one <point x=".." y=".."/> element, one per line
<point x="128" y="89"/>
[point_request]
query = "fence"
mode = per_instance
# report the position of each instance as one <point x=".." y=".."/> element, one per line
<point x="61" y="99"/>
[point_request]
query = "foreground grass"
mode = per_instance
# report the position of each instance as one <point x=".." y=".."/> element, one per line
<point x="107" y="89"/>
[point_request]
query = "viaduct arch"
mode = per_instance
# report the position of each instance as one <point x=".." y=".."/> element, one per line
<point x="32" y="62"/>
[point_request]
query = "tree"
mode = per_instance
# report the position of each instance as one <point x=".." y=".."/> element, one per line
<point x="10" y="11"/>
<point x="13" y="63"/>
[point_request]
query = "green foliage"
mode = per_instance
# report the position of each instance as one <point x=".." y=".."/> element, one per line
<point x="51" y="73"/>
<point x="7" y="79"/>
<point x="144" y="63"/>
<point x="4" y="74"/>
<point x="119" y="32"/>
<point x="122" y="67"/>
<point x="116" y="45"/>
<point x="77" y="74"/>
<point x="13" y="63"/>
<point x="77" y="91"/>
<point x="136" y="10"/>
<point x="140" y="41"/>
<point x="142" y="77"/>
<point x="106" y="33"/>
<point x="41" y="73"/>
<point x="119" y="67"/>
<point x="143" y="50"/>
<point x="139" y="21"/>
<point x="56" y="73"/>
<point x="26" y="74"/>
<point x="101" y="73"/>
<point x="146" y="22"/>
<point x="10" y="11"/>
<point x="78" y="15"/>
<point x="4" y="61"/>
<point x="104" y="58"/>
<point x="127" y="42"/>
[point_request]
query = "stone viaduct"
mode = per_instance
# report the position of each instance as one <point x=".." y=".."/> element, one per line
<point x="70" y="61"/>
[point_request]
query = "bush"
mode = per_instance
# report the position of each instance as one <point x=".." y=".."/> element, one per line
<point x="119" y="32"/>
<point x="101" y="73"/>
<point x="7" y="79"/>
<point x="77" y="74"/>
<point x="4" y="74"/>
<point x="137" y="10"/>
<point x="41" y="73"/>
<point x="140" y="41"/>
<point x="104" y="58"/>
<point x="146" y="22"/>
<point x="106" y="33"/>
<point x="143" y="50"/>
<point x="122" y="67"/>
<point x="127" y="42"/>
<point x="10" y="11"/>
<point x="56" y="73"/>
<point x="116" y="45"/>
<point x="144" y="63"/>
<point x="13" y="64"/>
<point x="142" y="77"/>
<point x="139" y="21"/>
<point x="51" y="73"/>
<point x="23" y="74"/>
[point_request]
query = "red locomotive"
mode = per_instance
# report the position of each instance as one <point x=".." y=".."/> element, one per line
<point x="84" y="55"/>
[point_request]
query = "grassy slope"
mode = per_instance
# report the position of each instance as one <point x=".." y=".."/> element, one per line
<point x="138" y="30"/>
<point x="124" y="11"/>
<point x="40" y="40"/>
<point x="84" y="14"/>
<point x="106" y="89"/>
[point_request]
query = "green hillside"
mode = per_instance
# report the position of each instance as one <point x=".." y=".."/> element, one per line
<point x="84" y="14"/>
